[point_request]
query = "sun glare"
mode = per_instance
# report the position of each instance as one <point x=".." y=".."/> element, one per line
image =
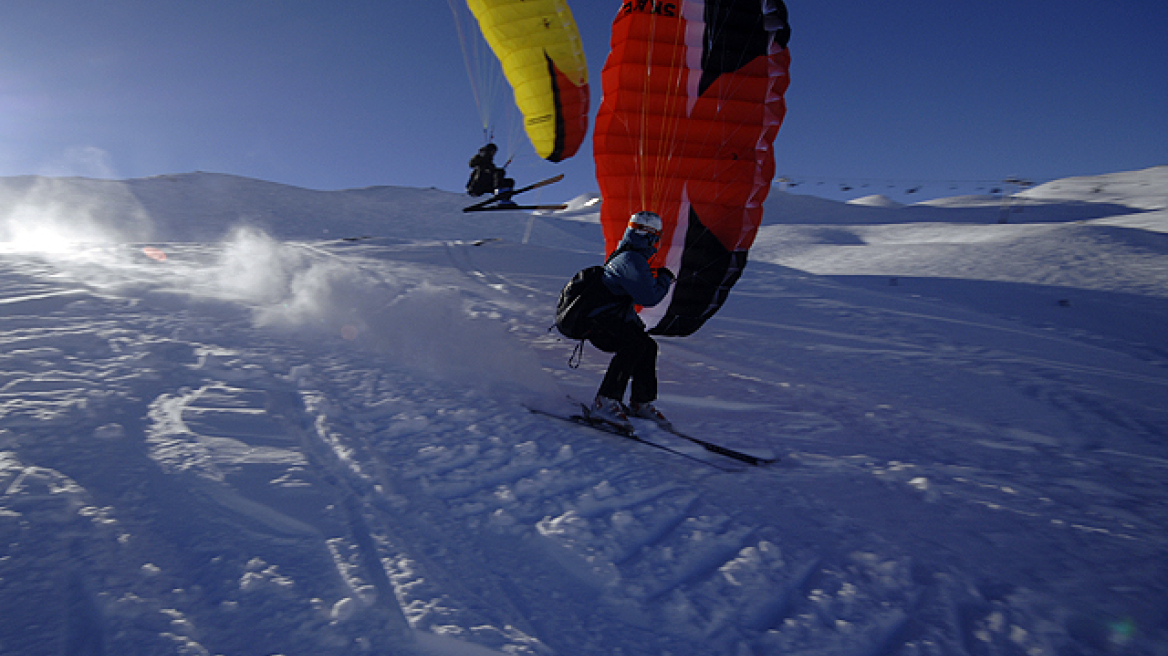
<point x="37" y="239"/>
<point x="32" y="229"/>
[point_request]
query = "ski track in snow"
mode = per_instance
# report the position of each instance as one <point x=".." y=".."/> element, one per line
<point x="319" y="447"/>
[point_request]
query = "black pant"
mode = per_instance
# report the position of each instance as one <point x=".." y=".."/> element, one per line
<point x="488" y="181"/>
<point x="635" y="358"/>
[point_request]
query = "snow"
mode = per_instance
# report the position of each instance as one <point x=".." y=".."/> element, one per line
<point x="1136" y="189"/>
<point x="241" y="418"/>
<point x="875" y="200"/>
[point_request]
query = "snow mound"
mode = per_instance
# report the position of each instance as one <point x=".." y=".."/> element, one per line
<point x="970" y="201"/>
<point x="875" y="200"/>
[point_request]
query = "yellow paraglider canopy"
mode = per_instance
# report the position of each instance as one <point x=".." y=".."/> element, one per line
<point x="542" y="55"/>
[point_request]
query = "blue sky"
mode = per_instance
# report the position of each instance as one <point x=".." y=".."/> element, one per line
<point x="332" y="94"/>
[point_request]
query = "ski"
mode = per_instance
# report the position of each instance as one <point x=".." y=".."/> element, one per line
<point x="712" y="447"/>
<point x="501" y="208"/>
<point x="740" y="456"/>
<point x="581" y="419"/>
<point x="479" y="206"/>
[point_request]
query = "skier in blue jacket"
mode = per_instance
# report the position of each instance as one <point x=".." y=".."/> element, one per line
<point x="628" y="274"/>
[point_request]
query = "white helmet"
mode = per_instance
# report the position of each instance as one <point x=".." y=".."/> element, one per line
<point x="646" y="222"/>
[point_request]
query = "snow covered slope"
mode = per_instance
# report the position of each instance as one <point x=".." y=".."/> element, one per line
<point x="241" y="418"/>
<point x="1145" y="190"/>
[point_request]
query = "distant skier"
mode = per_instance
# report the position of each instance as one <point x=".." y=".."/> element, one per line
<point x="628" y="274"/>
<point x="487" y="177"/>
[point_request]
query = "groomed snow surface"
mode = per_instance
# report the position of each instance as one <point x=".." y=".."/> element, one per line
<point x="246" y="419"/>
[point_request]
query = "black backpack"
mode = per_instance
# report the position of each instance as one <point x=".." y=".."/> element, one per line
<point x="580" y="300"/>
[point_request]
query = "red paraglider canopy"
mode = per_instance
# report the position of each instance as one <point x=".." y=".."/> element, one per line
<point x="693" y="100"/>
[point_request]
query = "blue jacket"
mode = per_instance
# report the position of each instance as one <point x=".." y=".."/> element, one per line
<point x="628" y="274"/>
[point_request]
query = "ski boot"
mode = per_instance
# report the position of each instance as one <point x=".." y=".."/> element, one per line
<point x="504" y="195"/>
<point x="648" y="411"/>
<point x="610" y="411"/>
